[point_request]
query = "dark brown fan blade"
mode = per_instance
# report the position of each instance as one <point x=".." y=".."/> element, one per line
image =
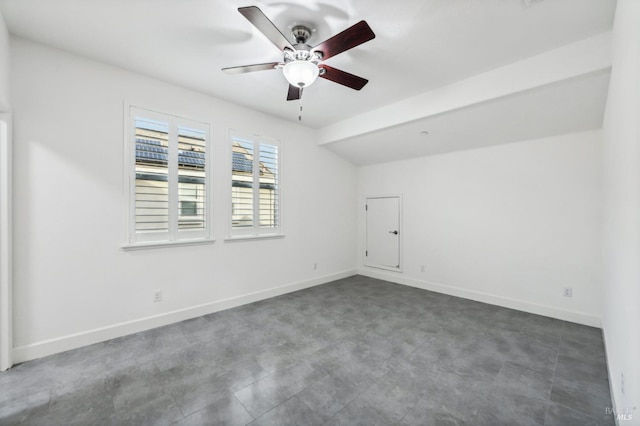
<point x="294" y="93"/>
<point x="343" y="77"/>
<point x="348" y="39"/>
<point x="250" y="68"/>
<point x="265" y="26"/>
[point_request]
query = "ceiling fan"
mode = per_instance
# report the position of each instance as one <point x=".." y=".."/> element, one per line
<point x="302" y="63"/>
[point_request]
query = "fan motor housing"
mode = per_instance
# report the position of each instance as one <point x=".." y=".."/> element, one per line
<point x="302" y="51"/>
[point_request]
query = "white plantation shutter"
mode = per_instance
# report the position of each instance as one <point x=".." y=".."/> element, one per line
<point x="255" y="186"/>
<point x="169" y="178"/>
<point x="152" y="175"/>
<point x="268" y="196"/>
<point x="242" y="184"/>
<point x="192" y="188"/>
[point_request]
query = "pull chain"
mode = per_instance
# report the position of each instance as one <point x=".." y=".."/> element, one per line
<point x="300" y="114"/>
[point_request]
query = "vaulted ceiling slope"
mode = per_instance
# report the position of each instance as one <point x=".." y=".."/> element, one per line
<point x="435" y="65"/>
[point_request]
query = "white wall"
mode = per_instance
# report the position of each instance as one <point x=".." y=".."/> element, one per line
<point x="510" y="225"/>
<point x="621" y="322"/>
<point x="73" y="282"/>
<point x="4" y="67"/>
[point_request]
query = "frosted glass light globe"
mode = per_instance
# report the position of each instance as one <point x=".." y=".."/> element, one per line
<point x="301" y="73"/>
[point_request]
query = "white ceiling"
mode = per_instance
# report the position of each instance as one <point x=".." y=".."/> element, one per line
<point x="575" y="105"/>
<point x="420" y="45"/>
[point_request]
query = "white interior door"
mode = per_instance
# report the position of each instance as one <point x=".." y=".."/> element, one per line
<point x="383" y="232"/>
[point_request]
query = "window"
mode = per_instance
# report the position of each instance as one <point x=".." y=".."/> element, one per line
<point x="255" y="187"/>
<point x="188" y="208"/>
<point x="168" y="178"/>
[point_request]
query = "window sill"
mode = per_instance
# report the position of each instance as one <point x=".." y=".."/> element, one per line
<point x="253" y="237"/>
<point x="162" y="244"/>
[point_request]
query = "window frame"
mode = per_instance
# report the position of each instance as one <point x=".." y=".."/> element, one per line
<point x="174" y="235"/>
<point x="254" y="232"/>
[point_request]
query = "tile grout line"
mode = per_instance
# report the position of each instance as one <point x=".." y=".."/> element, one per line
<point x="553" y="378"/>
<point x="245" y="408"/>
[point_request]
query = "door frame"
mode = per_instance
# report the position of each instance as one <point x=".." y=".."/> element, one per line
<point x="6" y="262"/>
<point x="400" y="232"/>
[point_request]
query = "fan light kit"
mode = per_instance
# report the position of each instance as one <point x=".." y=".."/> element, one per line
<point x="301" y="64"/>
<point x="301" y="73"/>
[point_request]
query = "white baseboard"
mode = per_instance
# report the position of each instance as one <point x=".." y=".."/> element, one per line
<point x="521" y="305"/>
<point x="73" y="341"/>
<point x="612" y="392"/>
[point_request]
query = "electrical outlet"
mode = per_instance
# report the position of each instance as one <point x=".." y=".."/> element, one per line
<point x="315" y="266"/>
<point x="157" y="296"/>
<point x="422" y="268"/>
<point x="567" y="292"/>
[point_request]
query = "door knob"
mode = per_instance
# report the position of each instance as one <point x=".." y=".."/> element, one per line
<point x="393" y="232"/>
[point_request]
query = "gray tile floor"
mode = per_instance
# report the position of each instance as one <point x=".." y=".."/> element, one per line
<point x="357" y="351"/>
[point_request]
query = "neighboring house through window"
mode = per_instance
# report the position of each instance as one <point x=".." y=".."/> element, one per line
<point x="255" y="186"/>
<point x="168" y="178"/>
